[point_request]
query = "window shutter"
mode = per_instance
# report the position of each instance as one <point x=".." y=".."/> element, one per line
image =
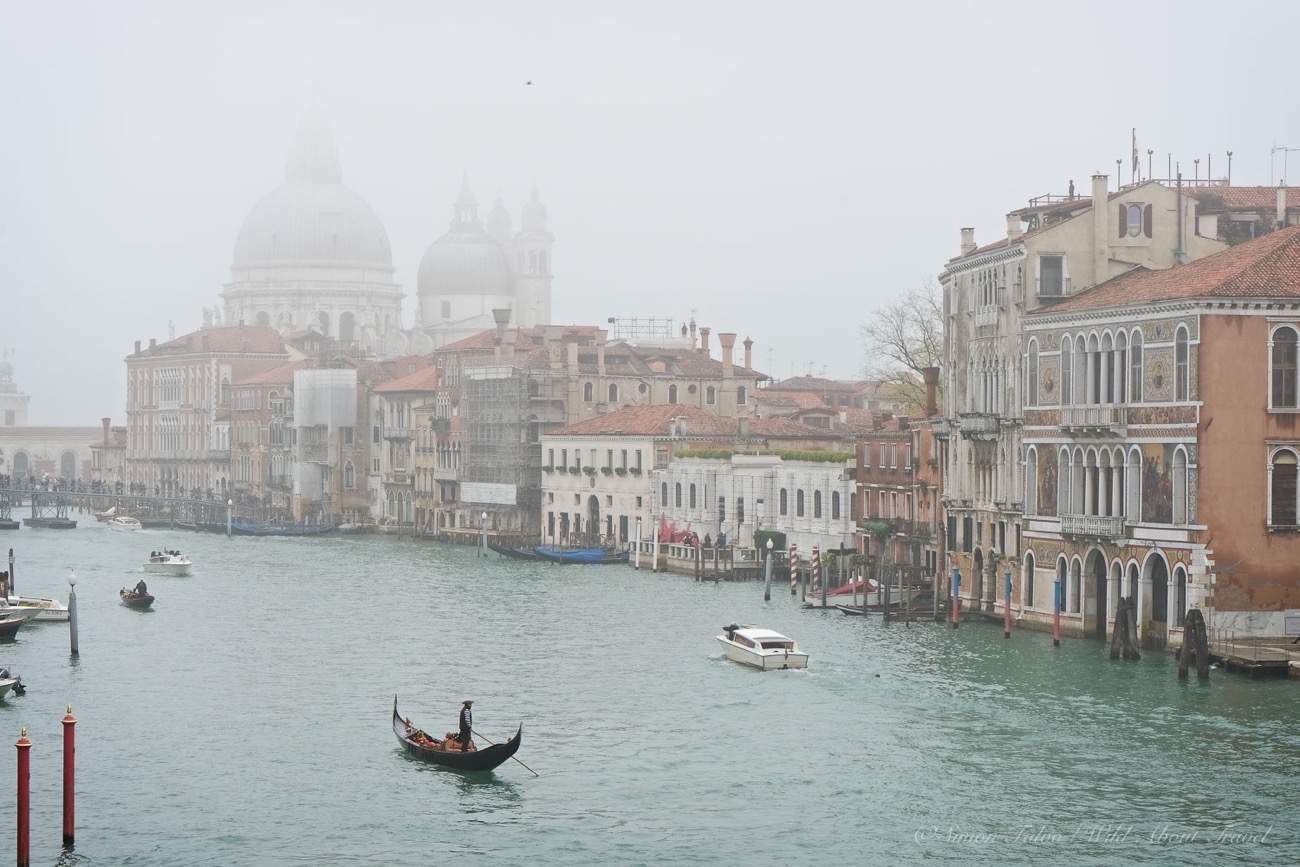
<point x="1146" y="221"/>
<point x="1123" y="220"/>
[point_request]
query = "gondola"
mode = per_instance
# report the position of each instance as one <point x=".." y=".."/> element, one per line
<point x="585" y="556"/>
<point x="472" y="760"/>
<point x="514" y="553"/>
<point x="135" y="601"/>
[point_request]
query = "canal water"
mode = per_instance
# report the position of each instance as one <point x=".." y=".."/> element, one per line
<point x="246" y="721"/>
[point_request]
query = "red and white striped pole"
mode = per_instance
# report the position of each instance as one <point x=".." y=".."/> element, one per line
<point x="69" y="775"/>
<point x="793" y="557"/>
<point x="24" y="797"/>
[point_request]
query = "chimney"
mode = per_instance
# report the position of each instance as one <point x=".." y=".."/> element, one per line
<point x="105" y="423"/>
<point x="728" y="341"/>
<point x="704" y="340"/>
<point x="967" y="240"/>
<point x="931" y="391"/>
<point x="137" y="347"/>
<point x="749" y="354"/>
<point x="1013" y="227"/>
<point x="501" y="316"/>
<point x="153" y="342"/>
<point x="692" y="332"/>
<point x="1281" y="205"/>
<point x="600" y="358"/>
<point x="1100" y="228"/>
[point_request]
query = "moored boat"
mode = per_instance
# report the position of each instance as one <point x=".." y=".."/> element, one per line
<point x="246" y="528"/>
<point x="761" y="648"/>
<point x="137" y="601"/>
<point x="168" y="563"/>
<point x="124" y="522"/>
<point x="514" y="553"/>
<point x="38" y="608"/>
<point x="585" y="556"/>
<point x="10" y="623"/>
<point x="442" y="752"/>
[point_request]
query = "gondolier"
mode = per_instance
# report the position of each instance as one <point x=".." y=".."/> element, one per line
<point x="466" y="723"/>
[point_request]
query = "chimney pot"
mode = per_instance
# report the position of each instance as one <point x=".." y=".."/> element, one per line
<point x="1100" y="229"/>
<point x="704" y="340"/>
<point x="153" y="342"/>
<point x="931" y="375"/>
<point x="137" y="347"/>
<point x="1281" y="205"/>
<point x="728" y="341"/>
<point x="1013" y="227"/>
<point x="967" y="240"/>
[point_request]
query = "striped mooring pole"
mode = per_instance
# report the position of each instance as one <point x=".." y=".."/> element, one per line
<point x="793" y="556"/>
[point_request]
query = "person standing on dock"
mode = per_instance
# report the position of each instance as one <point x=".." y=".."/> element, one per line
<point x="466" y="723"/>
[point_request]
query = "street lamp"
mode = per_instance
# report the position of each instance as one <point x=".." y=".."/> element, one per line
<point x="767" y="580"/>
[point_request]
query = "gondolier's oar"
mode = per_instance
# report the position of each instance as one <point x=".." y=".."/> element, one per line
<point x="490" y="741"/>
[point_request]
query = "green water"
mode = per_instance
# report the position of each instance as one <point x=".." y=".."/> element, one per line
<point x="246" y="721"/>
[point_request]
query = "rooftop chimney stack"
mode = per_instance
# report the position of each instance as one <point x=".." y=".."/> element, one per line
<point x="728" y="341"/>
<point x="692" y="332"/>
<point x="1100" y="229"/>
<point x="704" y="340"/>
<point x="1013" y="227"/>
<point x="105" y="423"/>
<point x="137" y="347"/>
<point x="153" y="342"/>
<point x="749" y="354"/>
<point x="1281" y="205"/>
<point x="931" y="375"/>
<point x="967" y="240"/>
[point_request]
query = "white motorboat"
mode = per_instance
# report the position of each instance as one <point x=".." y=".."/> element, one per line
<point x="168" y="563"/>
<point x="761" y="648"/>
<point x="125" y="522"/>
<point x="10" y="680"/>
<point x="38" y="609"/>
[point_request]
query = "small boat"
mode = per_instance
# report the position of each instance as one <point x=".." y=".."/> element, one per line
<point x="442" y="752"/>
<point x="38" y="608"/>
<point x="125" y="522"/>
<point x="10" y="623"/>
<point x="168" y="563"/>
<point x="761" y="648"/>
<point x="247" y="528"/>
<point x="136" y="601"/>
<point x="107" y="515"/>
<point x="585" y="556"/>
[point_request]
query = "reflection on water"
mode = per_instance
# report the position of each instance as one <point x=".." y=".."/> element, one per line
<point x="246" y="721"/>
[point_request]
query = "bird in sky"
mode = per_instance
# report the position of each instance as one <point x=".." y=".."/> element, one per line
<point x="528" y="84"/>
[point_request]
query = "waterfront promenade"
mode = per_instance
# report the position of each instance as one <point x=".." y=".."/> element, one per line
<point x="245" y="721"/>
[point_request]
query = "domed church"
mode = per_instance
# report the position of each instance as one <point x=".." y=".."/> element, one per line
<point x="475" y="268"/>
<point x="312" y="254"/>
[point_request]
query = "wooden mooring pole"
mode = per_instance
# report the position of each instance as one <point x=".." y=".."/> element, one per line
<point x="956" y="597"/>
<point x="69" y="776"/>
<point x="24" y="747"/>
<point x="1006" y="605"/>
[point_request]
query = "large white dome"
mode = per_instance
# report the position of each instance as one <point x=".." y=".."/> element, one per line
<point x="312" y="217"/>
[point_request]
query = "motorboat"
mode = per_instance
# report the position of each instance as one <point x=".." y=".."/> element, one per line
<point x="107" y="515"/>
<point x="168" y="563"/>
<point x="761" y="648"/>
<point x="125" y="522"/>
<point x="37" y="608"/>
<point x="10" y="623"/>
<point x="135" y="599"/>
<point x="11" y="680"/>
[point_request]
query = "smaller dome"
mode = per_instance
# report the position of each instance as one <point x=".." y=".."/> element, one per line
<point x="534" y="215"/>
<point x="465" y="263"/>
<point x="498" y="221"/>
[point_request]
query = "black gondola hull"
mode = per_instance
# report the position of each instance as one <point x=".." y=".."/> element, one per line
<point x="479" y="760"/>
<point x="136" y="601"/>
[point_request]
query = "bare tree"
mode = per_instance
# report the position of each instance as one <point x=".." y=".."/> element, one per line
<point x="903" y="338"/>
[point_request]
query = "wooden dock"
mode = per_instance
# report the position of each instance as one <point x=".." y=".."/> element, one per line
<point x="1258" y="657"/>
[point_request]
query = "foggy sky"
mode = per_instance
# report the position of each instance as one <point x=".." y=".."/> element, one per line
<point x="778" y="168"/>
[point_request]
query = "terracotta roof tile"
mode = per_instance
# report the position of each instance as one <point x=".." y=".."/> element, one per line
<point x="281" y="374"/>
<point x="427" y="378"/>
<point x="230" y="339"/>
<point x="1267" y="267"/>
<point x="1243" y="198"/>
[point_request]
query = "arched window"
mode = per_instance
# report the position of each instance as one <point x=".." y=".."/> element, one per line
<point x="1180" y="486"/>
<point x="1180" y="594"/>
<point x="835" y="505"/>
<point x="663" y="494"/>
<point x="349" y="476"/>
<point x="1058" y="588"/>
<point x="1135" y="366"/>
<point x="1027" y="582"/>
<point x="677" y="495"/>
<point x="1031" y="481"/>
<point x="613" y="393"/>
<point x="798" y="503"/>
<point x="1133" y="478"/>
<point x="740" y="395"/>
<point x="672" y="394"/>
<point x="1284" y="368"/>
<point x="1075" y="585"/>
<point x="784" y="502"/>
<point x="1032" y="375"/>
<point x="817" y="504"/>
<point x="1064" y="467"/>
<point x="1121" y="367"/>
<point x="1282" y="488"/>
<point x="692" y="495"/>
<point x="1182" y="377"/>
<point x="710" y="395"/>
<point x="1067" y="372"/>
<point x="588" y="392"/>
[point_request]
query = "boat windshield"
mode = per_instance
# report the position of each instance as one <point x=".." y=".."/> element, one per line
<point x="777" y="644"/>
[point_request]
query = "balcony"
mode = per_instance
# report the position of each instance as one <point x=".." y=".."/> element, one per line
<point x="1107" y="419"/>
<point x="316" y="453"/>
<point x="986" y="317"/>
<point x="979" y="425"/>
<point x="398" y="476"/>
<point x="1093" y="526"/>
<point x="446" y="474"/>
<point x="397" y="433"/>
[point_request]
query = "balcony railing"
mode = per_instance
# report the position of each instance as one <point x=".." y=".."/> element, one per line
<point x="1106" y="417"/>
<point x="978" y="424"/>
<point x="986" y="316"/>
<point x="446" y="474"/>
<point x="397" y="433"/>
<point x="399" y="476"/>
<point x="1093" y="526"/>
